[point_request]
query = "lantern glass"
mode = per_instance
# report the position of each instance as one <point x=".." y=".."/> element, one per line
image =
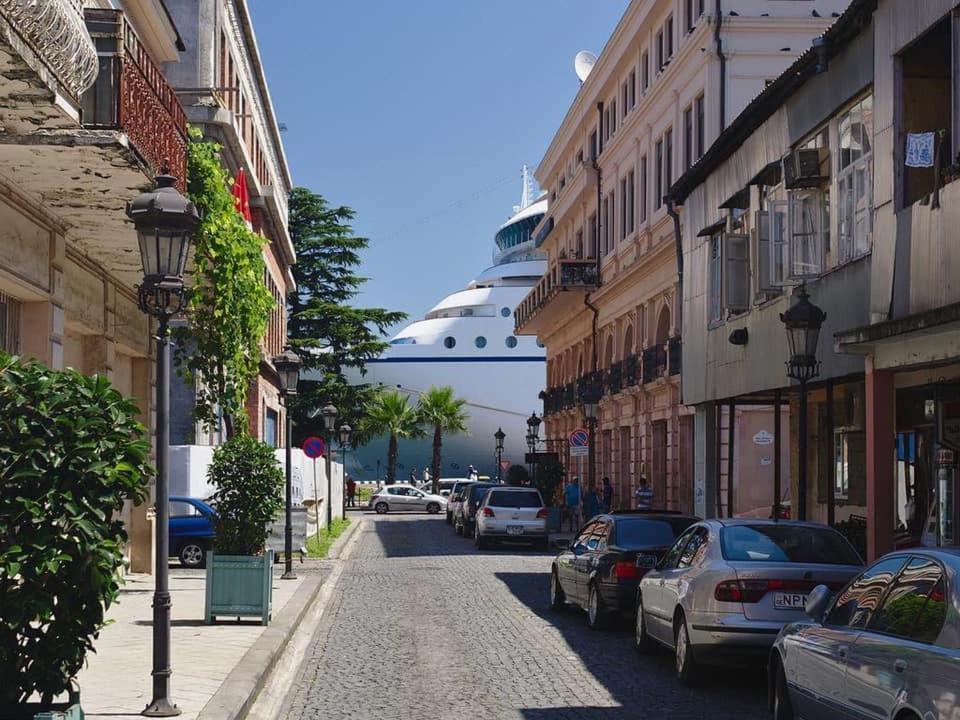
<point x="345" y="432"/>
<point x="329" y="417"/>
<point x="499" y="436"/>
<point x="288" y="364"/>
<point x="590" y="410"/>
<point x="163" y="252"/>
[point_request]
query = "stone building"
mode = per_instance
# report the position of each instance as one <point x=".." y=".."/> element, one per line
<point x="670" y="78"/>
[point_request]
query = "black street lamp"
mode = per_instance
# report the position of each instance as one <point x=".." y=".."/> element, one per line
<point x="329" y="413"/>
<point x="533" y="438"/>
<point x="345" y="432"/>
<point x="164" y="220"/>
<point x="803" y="322"/>
<point x="287" y="365"/>
<point x="499" y="437"/>
<point x="591" y="404"/>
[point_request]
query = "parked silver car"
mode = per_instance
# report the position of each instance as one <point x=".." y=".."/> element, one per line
<point x="726" y="587"/>
<point x="455" y="498"/>
<point x="888" y="646"/>
<point x="511" y="513"/>
<point x="405" y="497"/>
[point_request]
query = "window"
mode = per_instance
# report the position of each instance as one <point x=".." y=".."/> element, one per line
<point x="668" y="31"/>
<point x="511" y="342"/>
<point x="594" y="150"/>
<point x="855" y="604"/>
<point x="787" y="544"/>
<point x="915" y="607"/>
<point x="660" y="50"/>
<point x="514" y="499"/>
<point x="807" y="221"/>
<point x="592" y="249"/>
<point x="613" y="116"/>
<point x="688" y="149"/>
<point x="624" y="99"/>
<point x="668" y="159"/>
<point x="672" y="556"/>
<point x="623" y="208"/>
<point x="694" y="550"/>
<point x="10" y="310"/>
<point x="645" y="70"/>
<point x="772" y="258"/>
<point x="729" y="281"/>
<point x="640" y="532"/>
<point x="631" y="201"/>
<point x="449" y="342"/>
<point x="605" y="228"/>
<point x="658" y="170"/>
<point x="716" y="258"/>
<point x="849" y="459"/>
<point x="270" y="429"/>
<point x="693" y="11"/>
<point x="855" y="180"/>
<point x="643" y="188"/>
<point x="578" y="245"/>
<point x="700" y="126"/>
<point x="480" y="342"/>
<point x="505" y="312"/>
<point x="632" y="85"/>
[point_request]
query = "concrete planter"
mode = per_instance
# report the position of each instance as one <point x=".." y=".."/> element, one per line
<point x="239" y="586"/>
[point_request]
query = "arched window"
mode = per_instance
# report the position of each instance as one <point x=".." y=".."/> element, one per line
<point x="628" y="341"/>
<point x="608" y="352"/>
<point x="663" y="326"/>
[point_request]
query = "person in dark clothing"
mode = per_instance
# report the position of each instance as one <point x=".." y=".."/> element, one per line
<point x="591" y="501"/>
<point x="607" y="491"/>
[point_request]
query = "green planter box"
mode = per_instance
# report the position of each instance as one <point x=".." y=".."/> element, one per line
<point x="239" y="586"/>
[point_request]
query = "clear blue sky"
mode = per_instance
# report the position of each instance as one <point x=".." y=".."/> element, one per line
<point x="419" y="115"/>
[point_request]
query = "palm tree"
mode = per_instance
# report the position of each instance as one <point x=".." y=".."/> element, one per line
<point x="442" y="412"/>
<point x="390" y="413"/>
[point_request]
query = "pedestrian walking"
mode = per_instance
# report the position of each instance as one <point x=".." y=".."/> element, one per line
<point x="472" y="473"/>
<point x="413" y="476"/>
<point x="351" y="492"/>
<point x="572" y="500"/>
<point x="644" y="494"/>
<point x="591" y="501"/>
<point x="607" y="495"/>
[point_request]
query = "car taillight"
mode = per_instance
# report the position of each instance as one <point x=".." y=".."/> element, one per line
<point x="542" y="514"/>
<point x="626" y="571"/>
<point x="752" y="591"/>
<point x="487" y="512"/>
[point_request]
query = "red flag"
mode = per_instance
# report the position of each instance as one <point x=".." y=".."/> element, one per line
<point x="242" y="196"/>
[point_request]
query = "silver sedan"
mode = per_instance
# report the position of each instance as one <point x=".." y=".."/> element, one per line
<point x="726" y="587"/>
<point x="887" y="647"/>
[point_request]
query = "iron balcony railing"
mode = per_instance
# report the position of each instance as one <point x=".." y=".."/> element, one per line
<point x="132" y="95"/>
<point x="54" y="31"/>
<point x="563" y="275"/>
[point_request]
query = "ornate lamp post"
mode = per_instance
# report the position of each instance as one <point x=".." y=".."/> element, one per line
<point x="803" y="322"/>
<point x="345" y="432"/>
<point x="287" y="365"/>
<point x="533" y="438"/>
<point x="591" y="403"/>
<point x="499" y="437"/>
<point x="329" y="413"/>
<point x="164" y="221"/>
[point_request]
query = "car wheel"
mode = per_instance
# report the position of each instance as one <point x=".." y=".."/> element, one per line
<point x="642" y="642"/>
<point x="558" y="598"/>
<point x="782" y="709"/>
<point x="192" y="555"/>
<point x="596" y="615"/>
<point x="433" y="508"/>
<point x="381" y="508"/>
<point x="684" y="664"/>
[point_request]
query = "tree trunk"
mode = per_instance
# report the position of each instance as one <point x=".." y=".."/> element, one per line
<point x="392" y="459"/>
<point x="228" y="426"/>
<point x="435" y="467"/>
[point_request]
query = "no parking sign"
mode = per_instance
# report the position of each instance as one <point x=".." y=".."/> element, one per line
<point x="314" y="447"/>
<point x="579" y="443"/>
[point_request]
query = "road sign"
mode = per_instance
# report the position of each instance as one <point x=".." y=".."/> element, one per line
<point x="505" y="465"/>
<point x="314" y="447"/>
<point x="579" y="443"/>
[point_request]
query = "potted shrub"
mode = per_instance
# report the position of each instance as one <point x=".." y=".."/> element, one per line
<point x="547" y="478"/>
<point x="71" y="453"/>
<point x="248" y="497"/>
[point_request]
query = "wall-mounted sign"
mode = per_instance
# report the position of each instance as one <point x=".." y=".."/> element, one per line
<point x="763" y="438"/>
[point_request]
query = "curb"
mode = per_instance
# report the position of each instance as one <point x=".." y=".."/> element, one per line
<point x="236" y="695"/>
<point x="341" y="542"/>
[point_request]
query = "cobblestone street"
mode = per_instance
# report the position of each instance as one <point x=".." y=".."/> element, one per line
<point x="421" y="625"/>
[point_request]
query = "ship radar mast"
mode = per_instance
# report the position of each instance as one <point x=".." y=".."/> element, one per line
<point x="530" y="194"/>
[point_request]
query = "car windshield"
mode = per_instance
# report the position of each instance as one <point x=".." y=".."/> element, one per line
<point x="787" y="543"/>
<point x="514" y="499"/>
<point x="643" y="532"/>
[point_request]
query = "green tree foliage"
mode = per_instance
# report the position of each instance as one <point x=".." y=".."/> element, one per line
<point x="441" y="413"/>
<point x="516" y="475"/>
<point x="390" y="413"/>
<point x="228" y="304"/>
<point x="71" y="453"/>
<point x="249" y="494"/>
<point x="326" y="331"/>
<point x="547" y="478"/>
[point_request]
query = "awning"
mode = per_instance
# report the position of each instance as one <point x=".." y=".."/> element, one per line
<point x="713" y="228"/>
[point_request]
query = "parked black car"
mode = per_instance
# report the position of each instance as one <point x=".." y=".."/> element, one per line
<point x="601" y="568"/>
<point x="465" y="509"/>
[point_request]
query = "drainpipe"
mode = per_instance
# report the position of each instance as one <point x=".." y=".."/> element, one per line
<point x="596" y="166"/>
<point x="718" y="43"/>
<point x="678" y="243"/>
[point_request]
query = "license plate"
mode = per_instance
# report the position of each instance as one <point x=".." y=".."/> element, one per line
<point x="514" y="529"/>
<point x="646" y="561"/>
<point x="790" y="601"/>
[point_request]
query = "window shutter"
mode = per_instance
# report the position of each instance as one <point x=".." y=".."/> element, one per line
<point x="764" y="266"/>
<point x="736" y="273"/>
<point x="805" y="234"/>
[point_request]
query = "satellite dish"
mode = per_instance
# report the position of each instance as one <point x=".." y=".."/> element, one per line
<point x="583" y="64"/>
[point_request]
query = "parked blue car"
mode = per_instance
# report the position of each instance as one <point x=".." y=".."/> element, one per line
<point x="191" y="530"/>
<point x="887" y="647"/>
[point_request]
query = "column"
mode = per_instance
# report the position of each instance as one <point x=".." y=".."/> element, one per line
<point x="881" y="454"/>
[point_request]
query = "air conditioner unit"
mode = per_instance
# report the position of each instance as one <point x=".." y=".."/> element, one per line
<point x="806" y="167"/>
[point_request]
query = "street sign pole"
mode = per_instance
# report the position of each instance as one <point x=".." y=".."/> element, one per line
<point x="314" y="447"/>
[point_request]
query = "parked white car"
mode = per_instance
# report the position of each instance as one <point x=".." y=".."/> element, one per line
<point x="511" y="513"/>
<point x="405" y="497"/>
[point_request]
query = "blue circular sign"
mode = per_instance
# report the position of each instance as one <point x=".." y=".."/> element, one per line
<point x="579" y="438"/>
<point x="314" y="447"/>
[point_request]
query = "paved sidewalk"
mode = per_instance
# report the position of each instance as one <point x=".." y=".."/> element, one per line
<point x="117" y="679"/>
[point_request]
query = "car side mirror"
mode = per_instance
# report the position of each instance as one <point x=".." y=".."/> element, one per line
<point x="817" y="602"/>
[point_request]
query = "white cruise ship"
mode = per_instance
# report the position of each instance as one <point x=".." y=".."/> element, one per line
<point x="466" y="341"/>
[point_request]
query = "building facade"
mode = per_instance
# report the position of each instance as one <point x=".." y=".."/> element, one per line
<point x="88" y="121"/>
<point x="811" y="187"/>
<point x="671" y="77"/>
<point x="222" y="85"/>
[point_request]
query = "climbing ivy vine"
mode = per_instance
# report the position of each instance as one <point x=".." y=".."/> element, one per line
<point x="229" y="305"/>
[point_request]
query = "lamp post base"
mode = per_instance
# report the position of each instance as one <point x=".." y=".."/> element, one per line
<point x="161" y="708"/>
